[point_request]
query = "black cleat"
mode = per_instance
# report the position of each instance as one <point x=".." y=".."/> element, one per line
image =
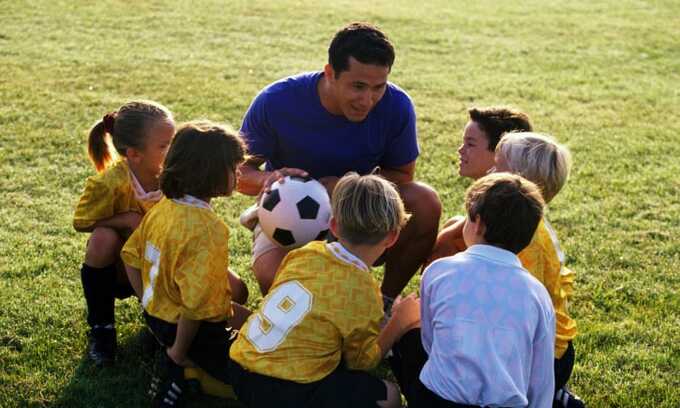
<point x="102" y="345"/>
<point x="168" y="388"/>
<point x="564" y="398"/>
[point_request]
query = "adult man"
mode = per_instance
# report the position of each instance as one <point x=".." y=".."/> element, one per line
<point x="345" y="118"/>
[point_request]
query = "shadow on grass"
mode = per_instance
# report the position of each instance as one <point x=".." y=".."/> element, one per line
<point x="124" y="384"/>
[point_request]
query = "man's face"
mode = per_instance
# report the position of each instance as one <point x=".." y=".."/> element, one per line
<point x="474" y="155"/>
<point x="357" y="90"/>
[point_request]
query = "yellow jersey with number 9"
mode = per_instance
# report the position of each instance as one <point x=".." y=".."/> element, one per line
<point x="182" y="250"/>
<point x="324" y="305"/>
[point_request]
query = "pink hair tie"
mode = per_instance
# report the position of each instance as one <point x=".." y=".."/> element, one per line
<point x="109" y="120"/>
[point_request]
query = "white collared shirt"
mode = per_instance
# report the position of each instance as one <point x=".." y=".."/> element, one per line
<point x="140" y="194"/>
<point x="488" y="328"/>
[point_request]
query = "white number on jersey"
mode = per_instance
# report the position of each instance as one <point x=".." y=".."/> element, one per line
<point x="286" y="307"/>
<point x="153" y="255"/>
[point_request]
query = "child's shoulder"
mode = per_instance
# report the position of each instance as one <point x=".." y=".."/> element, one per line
<point x="114" y="177"/>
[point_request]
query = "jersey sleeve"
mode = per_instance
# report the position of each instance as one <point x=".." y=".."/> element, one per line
<point x="402" y="147"/>
<point x="96" y="203"/>
<point x="132" y="252"/>
<point x="202" y="278"/>
<point x="257" y="131"/>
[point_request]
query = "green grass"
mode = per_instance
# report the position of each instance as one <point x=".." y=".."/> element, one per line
<point x="601" y="76"/>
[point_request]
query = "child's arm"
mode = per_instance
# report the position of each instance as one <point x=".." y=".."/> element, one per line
<point x="135" y="277"/>
<point x="449" y="241"/>
<point x="127" y="221"/>
<point x="186" y="331"/>
<point x="405" y="317"/>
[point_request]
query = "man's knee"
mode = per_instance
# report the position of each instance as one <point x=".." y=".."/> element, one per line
<point x="265" y="267"/>
<point x="103" y="247"/>
<point x="422" y="201"/>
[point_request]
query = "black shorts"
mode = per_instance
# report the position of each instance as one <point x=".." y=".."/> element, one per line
<point x="408" y="359"/>
<point x="209" y="349"/>
<point x="564" y="367"/>
<point x="342" y="388"/>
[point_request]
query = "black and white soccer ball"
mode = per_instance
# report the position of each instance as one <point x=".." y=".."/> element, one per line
<point x="295" y="212"/>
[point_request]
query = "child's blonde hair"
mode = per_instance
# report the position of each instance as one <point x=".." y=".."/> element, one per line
<point x="367" y="208"/>
<point x="538" y="158"/>
<point x="127" y="127"/>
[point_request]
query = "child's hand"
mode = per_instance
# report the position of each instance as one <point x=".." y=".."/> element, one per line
<point x="132" y="219"/>
<point x="179" y="359"/>
<point x="406" y="312"/>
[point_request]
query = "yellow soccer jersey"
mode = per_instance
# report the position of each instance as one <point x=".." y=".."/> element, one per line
<point x="109" y="193"/>
<point x="182" y="250"/>
<point x="324" y="305"/>
<point x="544" y="259"/>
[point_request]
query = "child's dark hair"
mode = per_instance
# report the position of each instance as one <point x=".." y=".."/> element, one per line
<point x="497" y="120"/>
<point x="510" y="208"/>
<point x="366" y="43"/>
<point x="202" y="158"/>
<point x="127" y="127"/>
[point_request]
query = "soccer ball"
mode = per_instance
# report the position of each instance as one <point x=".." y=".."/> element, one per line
<point x="295" y="212"/>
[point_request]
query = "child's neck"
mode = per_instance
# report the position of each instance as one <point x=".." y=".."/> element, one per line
<point x="149" y="182"/>
<point x="367" y="253"/>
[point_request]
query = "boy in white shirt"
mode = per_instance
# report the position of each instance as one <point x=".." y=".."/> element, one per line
<point x="488" y="326"/>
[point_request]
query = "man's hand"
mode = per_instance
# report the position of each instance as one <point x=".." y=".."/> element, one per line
<point x="279" y="174"/>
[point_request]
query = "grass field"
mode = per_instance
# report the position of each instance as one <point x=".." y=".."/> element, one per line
<point x="603" y="77"/>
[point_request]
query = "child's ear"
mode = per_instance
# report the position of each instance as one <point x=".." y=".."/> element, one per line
<point x="333" y="226"/>
<point x="133" y="155"/>
<point x="391" y="238"/>
<point x="479" y="226"/>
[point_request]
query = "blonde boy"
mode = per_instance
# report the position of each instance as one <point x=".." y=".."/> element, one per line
<point x="542" y="160"/>
<point x="318" y="328"/>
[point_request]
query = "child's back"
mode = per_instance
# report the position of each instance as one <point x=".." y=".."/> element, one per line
<point x="485" y="323"/>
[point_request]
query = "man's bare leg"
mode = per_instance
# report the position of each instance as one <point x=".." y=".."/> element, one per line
<point x="416" y="240"/>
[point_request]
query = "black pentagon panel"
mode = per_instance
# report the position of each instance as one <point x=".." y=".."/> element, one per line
<point x="270" y="200"/>
<point x="322" y="235"/>
<point x="301" y="179"/>
<point x="284" y="237"/>
<point x="308" y="208"/>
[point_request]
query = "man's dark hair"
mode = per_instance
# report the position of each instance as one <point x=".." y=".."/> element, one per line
<point x="495" y="121"/>
<point x="366" y="43"/>
<point x="202" y="157"/>
<point x="510" y="208"/>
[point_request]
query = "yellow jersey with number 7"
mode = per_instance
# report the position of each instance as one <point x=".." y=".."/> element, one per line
<point x="182" y="250"/>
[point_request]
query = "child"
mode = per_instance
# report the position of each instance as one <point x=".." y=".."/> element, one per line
<point x="112" y="205"/>
<point x="317" y="329"/>
<point x="488" y="327"/>
<point x="541" y="159"/>
<point x="476" y="158"/>
<point x="177" y="260"/>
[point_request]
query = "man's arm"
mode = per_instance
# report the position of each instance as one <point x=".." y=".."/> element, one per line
<point x="399" y="175"/>
<point x="252" y="180"/>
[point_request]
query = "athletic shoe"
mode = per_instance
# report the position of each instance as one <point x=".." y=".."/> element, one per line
<point x="102" y="345"/>
<point x="564" y="398"/>
<point x="167" y="390"/>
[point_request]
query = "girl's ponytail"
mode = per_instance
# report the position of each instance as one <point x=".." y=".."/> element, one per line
<point x="97" y="146"/>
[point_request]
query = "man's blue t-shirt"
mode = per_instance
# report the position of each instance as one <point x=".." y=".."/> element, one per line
<point x="287" y="125"/>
